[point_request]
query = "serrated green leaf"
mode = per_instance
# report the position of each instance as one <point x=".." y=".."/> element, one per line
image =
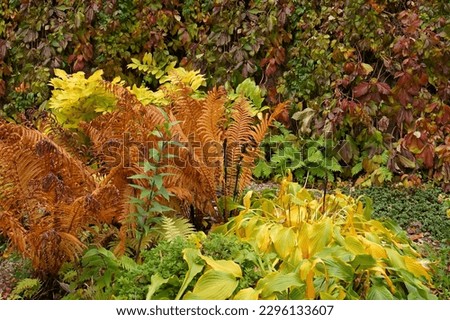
<point x="357" y="168"/>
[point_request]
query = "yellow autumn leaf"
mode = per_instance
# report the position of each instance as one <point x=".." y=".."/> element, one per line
<point x="213" y="285"/>
<point x="303" y="239"/>
<point x="320" y="235"/>
<point x="247" y="294"/>
<point x="247" y="200"/>
<point x="262" y="238"/>
<point x="223" y="265"/>
<point x="60" y="73"/>
<point x="310" y="291"/>
<point x="284" y="240"/>
<point x="374" y="249"/>
<point x="416" y="268"/>
<point x="353" y="244"/>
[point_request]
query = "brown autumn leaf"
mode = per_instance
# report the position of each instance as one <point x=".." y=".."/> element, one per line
<point x="2" y="88"/>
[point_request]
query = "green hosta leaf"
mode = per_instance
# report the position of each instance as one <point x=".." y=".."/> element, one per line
<point x="353" y="244"/>
<point x="156" y="281"/>
<point x="336" y="268"/>
<point x="278" y="282"/>
<point x="395" y="259"/>
<point x="363" y="262"/>
<point x="191" y="256"/>
<point x="213" y="285"/>
<point x="379" y="292"/>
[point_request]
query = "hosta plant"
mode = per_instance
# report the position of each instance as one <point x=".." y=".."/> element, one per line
<point x="328" y="248"/>
<point x="186" y="267"/>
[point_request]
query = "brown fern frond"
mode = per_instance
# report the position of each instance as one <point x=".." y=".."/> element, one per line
<point x="186" y="109"/>
<point x="71" y="141"/>
<point x="38" y="180"/>
<point x="11" y="227"/>
<point x="210" y="123"/>
<point x="238" y="137"/>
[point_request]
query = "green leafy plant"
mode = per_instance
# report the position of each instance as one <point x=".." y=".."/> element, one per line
<point x="328" y="248"/>
<point x="440" y="264"/>
<point x="307" y="159"/>
<point x="152" y="191"/>
<point x="425" y="206"/>
<point x="181" y="268"/>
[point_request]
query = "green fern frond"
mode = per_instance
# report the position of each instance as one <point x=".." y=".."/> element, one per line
<point x="25" y="289"/>
<point x="172" y="228"/>
<point x="127" y="263"/>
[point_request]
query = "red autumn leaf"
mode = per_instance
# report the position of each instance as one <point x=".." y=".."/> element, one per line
<point x="403" y="96"/>
<point x="271" y="67"/>
<point x="443" y="117"/>
<point x="79" y="64"/>
<point x="431" y="107"/>
<point x="427" y="155"/>
<point x="383" y="88"/>
<point x="423" y="78"/>
<point x="415" y="141"/>
<point x="88" y="51"/>
<point x="361" y="89"/>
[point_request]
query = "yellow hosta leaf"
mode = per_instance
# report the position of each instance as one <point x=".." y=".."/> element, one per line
<point x="223" y="265"/>
<point x="293" y="216"/>
<point x="304" y="194"/>
<point x="303" y="239"/>
<point x="355" y="246"/>
<point x="284" y="240"/>
<point x="314" y="205"/>
<point x="247" y="201"/>
<point x="262" y="238"/>
<point x="381" y="271"/>
<point x="213" y="285"/>
<point x="250" y="228"/>
<point x="416" y="268"/>
<point x="247" y="294"/>
<point x="374" y="249"/>
<point x="320" y="236"/>
<point x="310" y="291"/>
